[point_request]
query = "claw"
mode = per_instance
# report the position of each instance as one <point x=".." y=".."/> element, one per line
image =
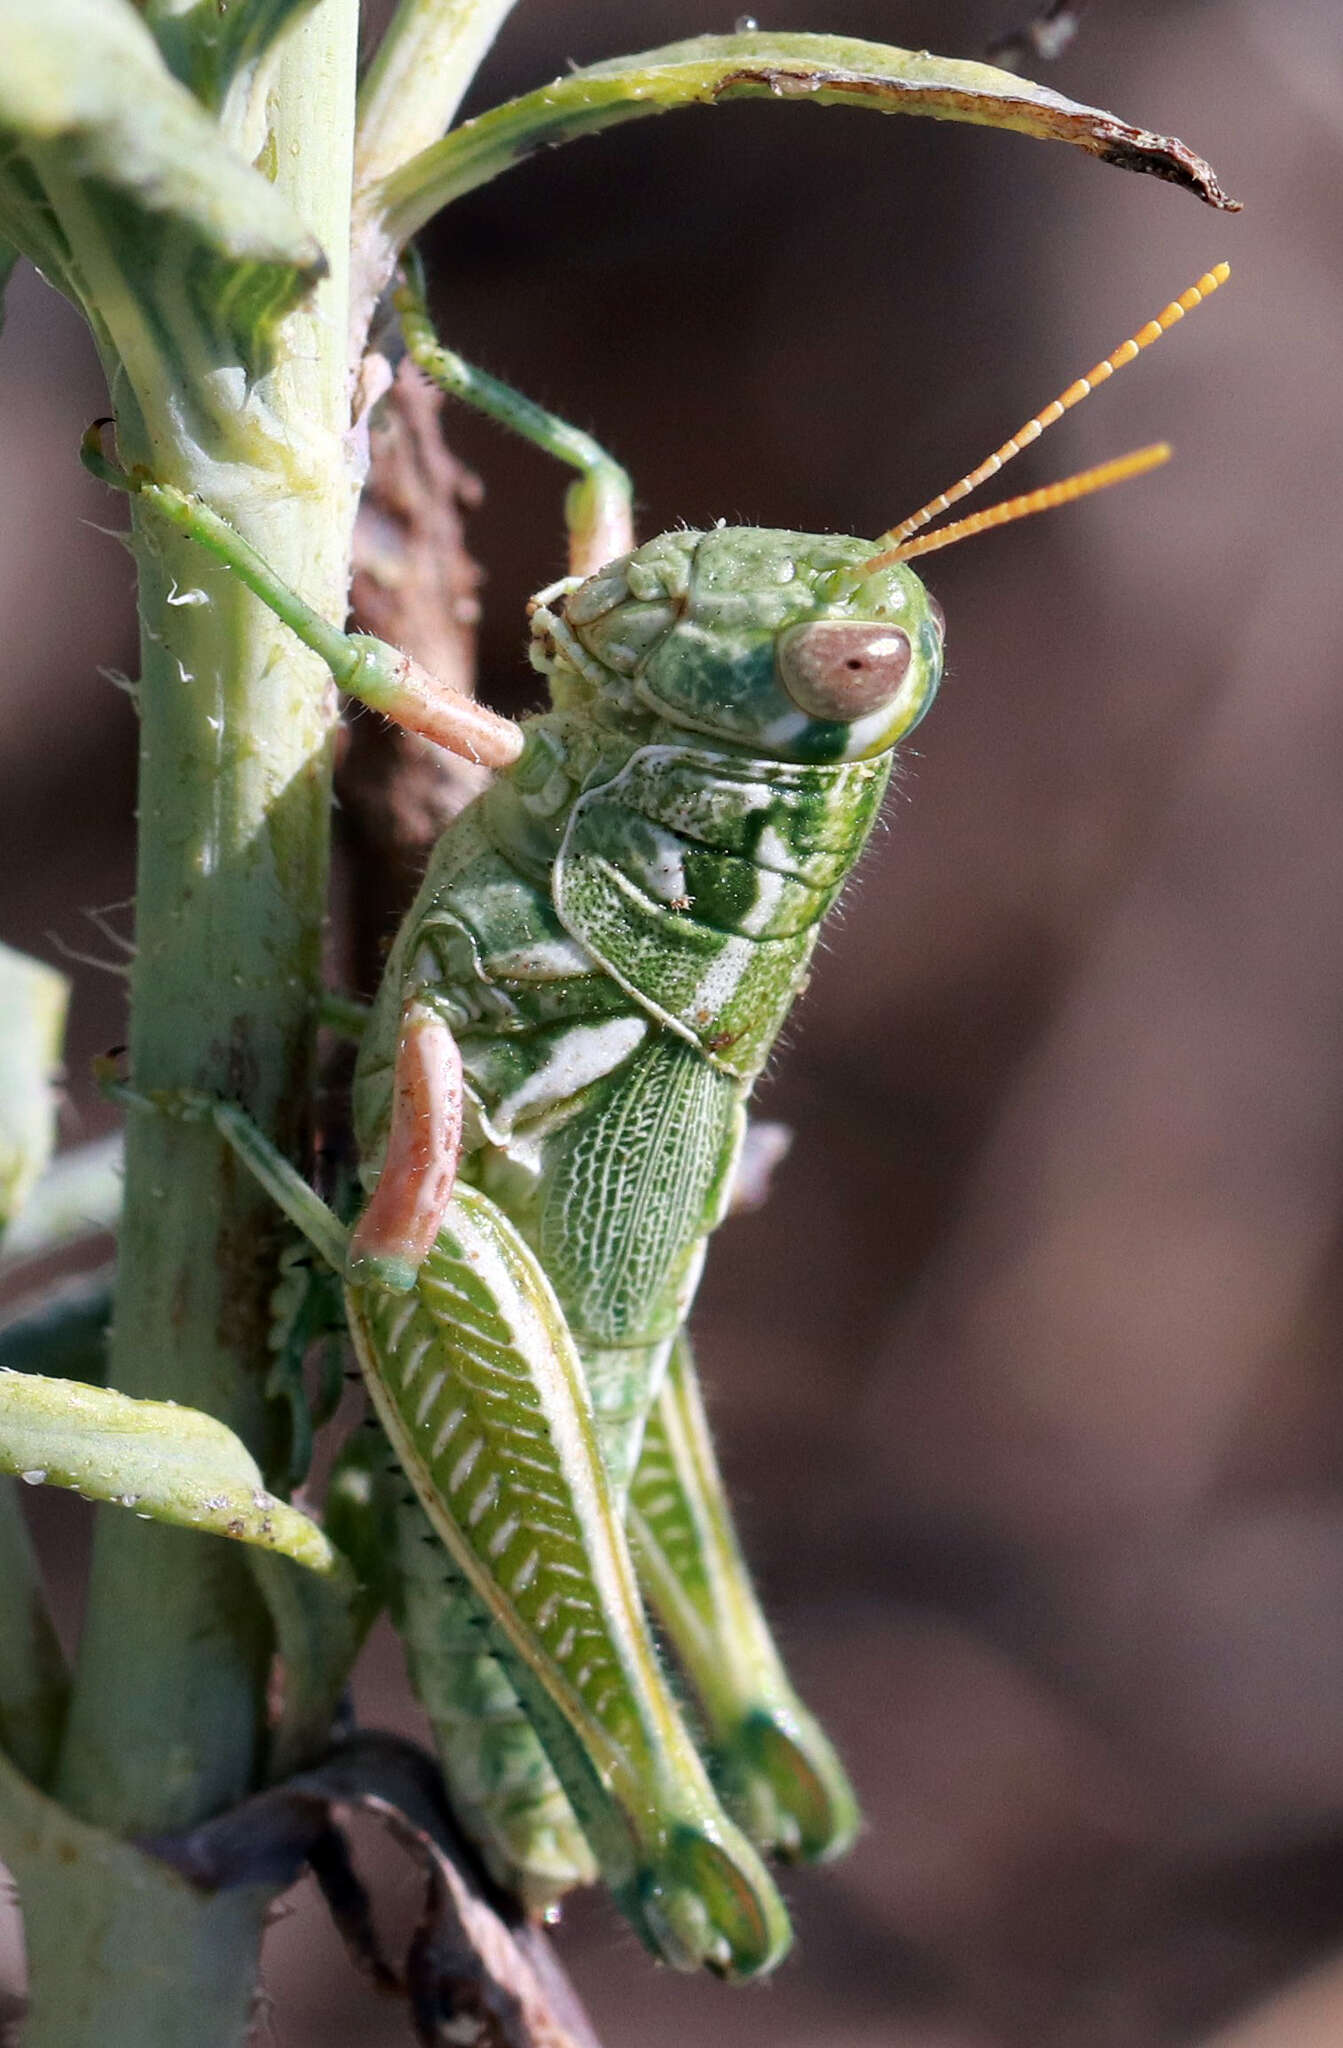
<point x="710" y="1905"/>
<point x="790" y="1786"/>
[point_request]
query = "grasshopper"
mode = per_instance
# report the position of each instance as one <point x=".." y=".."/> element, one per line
<point x="550" y="1107"/>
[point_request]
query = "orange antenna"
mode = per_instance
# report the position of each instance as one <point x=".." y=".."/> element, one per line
<point x="1125" y="353"/>
<point x="1043" y="500"/>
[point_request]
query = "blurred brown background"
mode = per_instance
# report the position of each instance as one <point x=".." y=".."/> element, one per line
<point x="1027" y="1378"/>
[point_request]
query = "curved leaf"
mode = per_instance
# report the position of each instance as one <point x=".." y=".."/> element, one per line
<point x="208" y="46"/>
<point x="169" y="1464"/>
<point x="825" y="70"/>
<point x="117" y="170"/>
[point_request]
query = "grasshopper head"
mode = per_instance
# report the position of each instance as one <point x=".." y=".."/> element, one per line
<point x="783" y="644"/>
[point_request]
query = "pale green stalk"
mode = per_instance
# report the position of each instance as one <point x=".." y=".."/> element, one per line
<point x="167" y="1714"/>
<point x="234" y="789"/>
<point x="120" y="1949"/>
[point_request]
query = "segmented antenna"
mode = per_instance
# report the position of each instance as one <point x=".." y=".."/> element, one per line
<point x="1062" y="493"/>
<point x="1075" y="393"/>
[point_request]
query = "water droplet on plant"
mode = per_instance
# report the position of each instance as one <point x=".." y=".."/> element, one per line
<point x="34" y="1478"/>
<point x="746" y="25"/>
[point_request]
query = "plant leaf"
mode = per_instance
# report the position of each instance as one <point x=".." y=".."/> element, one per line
<point x="824" y="70"/>
<point x="170" y="1464"/>
<point x="209" y="46"/>
<point x="155" y="220"/>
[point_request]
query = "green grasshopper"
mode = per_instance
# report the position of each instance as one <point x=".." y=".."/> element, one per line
<point x="550" y="1107"/>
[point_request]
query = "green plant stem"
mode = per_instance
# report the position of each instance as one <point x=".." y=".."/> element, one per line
<point x="120" y="1948"/>
<point x="167" y="1716"/>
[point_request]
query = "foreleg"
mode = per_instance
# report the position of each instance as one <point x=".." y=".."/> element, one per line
<point x="377" y="674"/>
<point x="597" y="508"/>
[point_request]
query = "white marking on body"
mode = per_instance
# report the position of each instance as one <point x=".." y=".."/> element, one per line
<point x="581" y="1056"/>
<point x="483" y="1502"/>
<point x="449" y="1430"/>
<point x="461" y="1471"/>
<point x="664" y="874"/>
<point x="432" y="1390"/>
<point x="445" y="1298"/>
<point x="719" y="982"/>
<point x="503" y="1536"/>
<point x="773" y="851"/>
<point x="400" y="1322"/>
<point x="769" y="888"/>
<point x="414" y="1360"/>
<point x="531" y="1464"/>
<point x="564" y="1647"/>
<point x="658" y="1506"/>
<point x="526" y="1572"/>
<point x="777" y="737"/>
<point x="545" y="1613"/>
<point x="866" y="733"/>
<point x="543" y="960"/>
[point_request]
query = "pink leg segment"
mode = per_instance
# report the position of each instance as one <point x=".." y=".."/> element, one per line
<point x="396" y="1232"/>
<point x="416" y="699"/>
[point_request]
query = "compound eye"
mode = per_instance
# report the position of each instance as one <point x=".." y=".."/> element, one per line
<point x="839" y="670"/>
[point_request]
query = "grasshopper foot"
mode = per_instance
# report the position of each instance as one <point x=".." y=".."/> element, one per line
<point x="709" y="1904"/>
<point x="789" y="1787"/>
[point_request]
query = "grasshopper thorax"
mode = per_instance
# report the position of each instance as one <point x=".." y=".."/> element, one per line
<point x="782" y="644"/>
